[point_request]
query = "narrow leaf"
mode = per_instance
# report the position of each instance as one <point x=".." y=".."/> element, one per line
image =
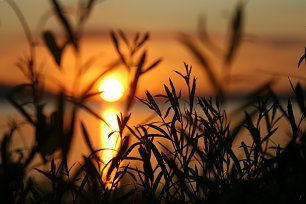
<point x="87" y="140"/>
<point x="65" y="23"/>
<point x="54" y="49"/>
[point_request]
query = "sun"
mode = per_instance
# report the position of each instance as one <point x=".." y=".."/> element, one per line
<point x="111" y="89"/>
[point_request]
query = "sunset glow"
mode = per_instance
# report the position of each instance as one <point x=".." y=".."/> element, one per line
<point x="152" y="101"/>
<point x="109" y="143"/>
<point x="112" y="89"/>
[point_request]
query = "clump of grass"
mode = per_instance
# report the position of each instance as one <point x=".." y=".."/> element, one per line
<point x="188" y="153"/>
<point x="55" y="131"/>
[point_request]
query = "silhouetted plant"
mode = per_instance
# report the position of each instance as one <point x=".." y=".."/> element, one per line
<point x="195" y="150"/>
<point x="55" y="131"/>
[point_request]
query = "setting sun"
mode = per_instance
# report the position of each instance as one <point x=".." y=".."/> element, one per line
<point x="112" y="89"/>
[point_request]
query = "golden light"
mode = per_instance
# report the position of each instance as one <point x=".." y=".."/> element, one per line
<point x="112" y="89"/>
<point x="109" y="144"/>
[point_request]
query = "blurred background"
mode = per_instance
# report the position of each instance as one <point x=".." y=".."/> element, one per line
<point x="273" y="40"/>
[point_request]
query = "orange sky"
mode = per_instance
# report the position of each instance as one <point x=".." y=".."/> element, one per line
<point x="275" y="39"/>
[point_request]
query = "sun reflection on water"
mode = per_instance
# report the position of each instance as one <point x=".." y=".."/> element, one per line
<point x="109" y="143"/>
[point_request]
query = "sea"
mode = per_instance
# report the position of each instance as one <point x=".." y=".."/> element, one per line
<point x="99" y="133"/>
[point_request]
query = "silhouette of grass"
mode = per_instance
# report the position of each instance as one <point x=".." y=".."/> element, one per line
<point x="187" y="153"/>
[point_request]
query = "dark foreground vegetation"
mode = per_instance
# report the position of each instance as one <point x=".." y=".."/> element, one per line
<point x="187" y="153"/>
